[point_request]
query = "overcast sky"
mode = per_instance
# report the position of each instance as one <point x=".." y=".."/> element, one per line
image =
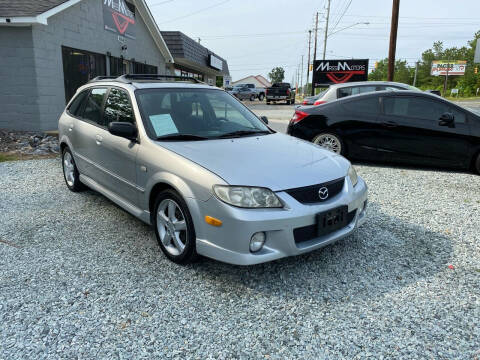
<point x="256" y="35"/>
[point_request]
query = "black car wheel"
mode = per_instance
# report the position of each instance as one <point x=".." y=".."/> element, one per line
<point x="252" y="97"/>
<point x="70" y="171"/>
<point x="174" y="227"/>
<point x="261" y="97"/>
<point x="330" y="141"/>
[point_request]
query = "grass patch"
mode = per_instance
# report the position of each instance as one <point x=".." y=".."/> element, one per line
<point x="15" y="156"/>
<point x="9" y="157"/>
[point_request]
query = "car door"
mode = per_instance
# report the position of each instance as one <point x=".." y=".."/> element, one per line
<point x="117" y="155"/>
<point x="86" y="128"/>
<point x="411" y="131"/>
<point x="359" y="126"/>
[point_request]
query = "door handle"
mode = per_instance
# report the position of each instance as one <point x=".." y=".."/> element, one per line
<point x="389" y="123"/>
<point x="98" y="139"/>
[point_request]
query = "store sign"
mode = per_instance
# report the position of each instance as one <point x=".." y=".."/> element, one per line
<point x="454" y="67"/>
<point x="118" y="18"/>
<point x="339" y="71"/>
<point x="215" y="62"/>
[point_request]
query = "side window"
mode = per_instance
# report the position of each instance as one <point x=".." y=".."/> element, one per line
<point x="363" y="89"/>
<point x="414" y="107"/>
<point x="76" y="105"/>
<point x="367" y="105"/>
<point x="458" y="115"/>
<point x="344" y="92"/>
<point x="118" y="107"/>
<point x="93" y="107"/>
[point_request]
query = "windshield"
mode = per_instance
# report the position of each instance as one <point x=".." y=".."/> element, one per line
<point x="195" y="114"/>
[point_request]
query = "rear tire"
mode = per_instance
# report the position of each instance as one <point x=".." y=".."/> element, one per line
<point x="330" y="141"/>
<point x="174" y="227"/>
<point x="70" y="171"/>
<point x="261" y="97"/>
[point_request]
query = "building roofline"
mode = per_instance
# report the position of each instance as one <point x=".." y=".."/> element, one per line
<point x="141" y="5"/>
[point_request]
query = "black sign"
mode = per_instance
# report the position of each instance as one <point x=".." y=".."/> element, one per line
<point x="339" y="71"/>
<point x="118" y="17"/>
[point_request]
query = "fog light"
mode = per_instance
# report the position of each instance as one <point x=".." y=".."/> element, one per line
<point x="257" y="241"/>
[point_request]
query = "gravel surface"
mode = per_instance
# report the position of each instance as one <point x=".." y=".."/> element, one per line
<point x="81" y="278"/>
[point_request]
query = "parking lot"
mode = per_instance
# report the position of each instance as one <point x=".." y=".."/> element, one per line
<point x="82" y="278"/>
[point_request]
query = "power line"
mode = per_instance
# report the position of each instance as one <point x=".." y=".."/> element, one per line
<point x="161" y="3"/>
<point x="195" y="12"/>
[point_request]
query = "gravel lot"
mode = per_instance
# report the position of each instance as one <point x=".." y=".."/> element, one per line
<point x="81" y="278"/>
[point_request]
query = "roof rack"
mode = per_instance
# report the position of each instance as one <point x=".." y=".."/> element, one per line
<point x="129" y="78"/>
<point x="104" y="78"/>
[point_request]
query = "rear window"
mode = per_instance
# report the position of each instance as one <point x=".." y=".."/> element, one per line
<point x="75" y="106"/>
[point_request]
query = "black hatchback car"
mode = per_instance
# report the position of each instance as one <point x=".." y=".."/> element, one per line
<point x="391" y="126"/>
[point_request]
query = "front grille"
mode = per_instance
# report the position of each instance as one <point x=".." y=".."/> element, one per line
<point x="310" y="232"/>
<point x="309" y="194"/>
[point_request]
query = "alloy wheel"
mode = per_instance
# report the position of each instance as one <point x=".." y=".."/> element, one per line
<point x="171" y="227"/>
<point x="69" y="168"/>
<point x="329" y="142"/>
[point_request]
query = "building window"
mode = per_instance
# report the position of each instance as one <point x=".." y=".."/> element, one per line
<point x="80" y="66"/>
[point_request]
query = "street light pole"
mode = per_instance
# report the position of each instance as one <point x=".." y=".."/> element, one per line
<point x="308" y="63"/>
<point x="315" y="49"/>
<point x="326" y="31"/>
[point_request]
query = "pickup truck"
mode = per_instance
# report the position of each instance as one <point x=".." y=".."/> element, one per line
<point x="280" y="92"/>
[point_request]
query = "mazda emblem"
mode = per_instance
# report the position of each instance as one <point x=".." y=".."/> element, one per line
<point x="323" y="193"/>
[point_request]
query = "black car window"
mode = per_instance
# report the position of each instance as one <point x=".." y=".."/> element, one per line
<point x="118" y="107"/>
<point x="344" y="92"/>
<point x="414" y="107"/>
<point x="76" y="105"/>
<point x="93" y="107"/>
<point x="369" y="105"/>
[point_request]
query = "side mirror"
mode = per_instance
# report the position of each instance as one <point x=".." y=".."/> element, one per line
<point x="123" y="129"/>
<point x="447" y="119"/>
<point x="264" y="119"/>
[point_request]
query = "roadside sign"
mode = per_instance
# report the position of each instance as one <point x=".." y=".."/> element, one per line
<point x="455" y="67"/>
<point x="339" y="71"/>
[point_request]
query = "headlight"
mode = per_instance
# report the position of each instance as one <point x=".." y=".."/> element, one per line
<point x="353" y="175"/>
<point x="247" y="197"/>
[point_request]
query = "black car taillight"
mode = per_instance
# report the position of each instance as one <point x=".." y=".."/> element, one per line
<point x="298" y="116"/>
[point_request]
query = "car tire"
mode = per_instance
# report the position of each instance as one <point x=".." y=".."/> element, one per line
<point x="476" y="164"/>
<point x="70" y="171"/>
<point x="261" y="97"/>
<point x="252" y="97"/>
<point x="268" y="102"/>
<point x="174" y="227"/>
<point x="330" y="141"/>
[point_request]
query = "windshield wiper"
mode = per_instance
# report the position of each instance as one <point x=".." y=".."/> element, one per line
<point x="181" y="137"/>
<point x="240" y="133"/>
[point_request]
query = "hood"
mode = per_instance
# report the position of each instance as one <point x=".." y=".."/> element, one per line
<point x="275" y="161"/>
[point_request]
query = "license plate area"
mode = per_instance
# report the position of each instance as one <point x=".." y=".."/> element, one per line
<point x="332" y="220"/>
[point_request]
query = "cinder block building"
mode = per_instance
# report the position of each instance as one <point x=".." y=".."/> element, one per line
<point x="48" y="48"/>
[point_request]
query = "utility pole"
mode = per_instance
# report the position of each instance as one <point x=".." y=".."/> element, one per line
<point x="314" y="49"/>
<point x="326" y="31"/>
<point x="415" y="77"/>
<point x="308" y="62"/>
<point x="301" y="77"/>
<point x="393" y="40"/>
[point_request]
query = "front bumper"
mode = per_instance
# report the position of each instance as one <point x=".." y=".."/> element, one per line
<point x="230" y="242"/>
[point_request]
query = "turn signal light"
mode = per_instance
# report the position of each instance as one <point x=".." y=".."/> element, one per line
<point x="298" y="116"/>
<point x="213" y="221"/>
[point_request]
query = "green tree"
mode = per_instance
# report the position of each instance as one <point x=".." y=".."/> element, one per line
<point x="277" y="75"/>
<point x="403" y="72"/>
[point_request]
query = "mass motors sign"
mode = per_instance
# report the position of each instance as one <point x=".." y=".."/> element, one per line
<point x="118" y="18"/>
<point x="454" y="67"/>
<point x="339" y="71"/>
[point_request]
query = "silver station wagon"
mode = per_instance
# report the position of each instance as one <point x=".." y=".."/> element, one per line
<point x="210" y="176"/>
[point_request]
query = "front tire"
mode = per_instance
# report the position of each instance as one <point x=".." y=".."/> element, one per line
<point x="70" y="171"/>
<point x="174" y="227"/>
<point x="330" y="141"/>
<point x="252" y="97"/>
